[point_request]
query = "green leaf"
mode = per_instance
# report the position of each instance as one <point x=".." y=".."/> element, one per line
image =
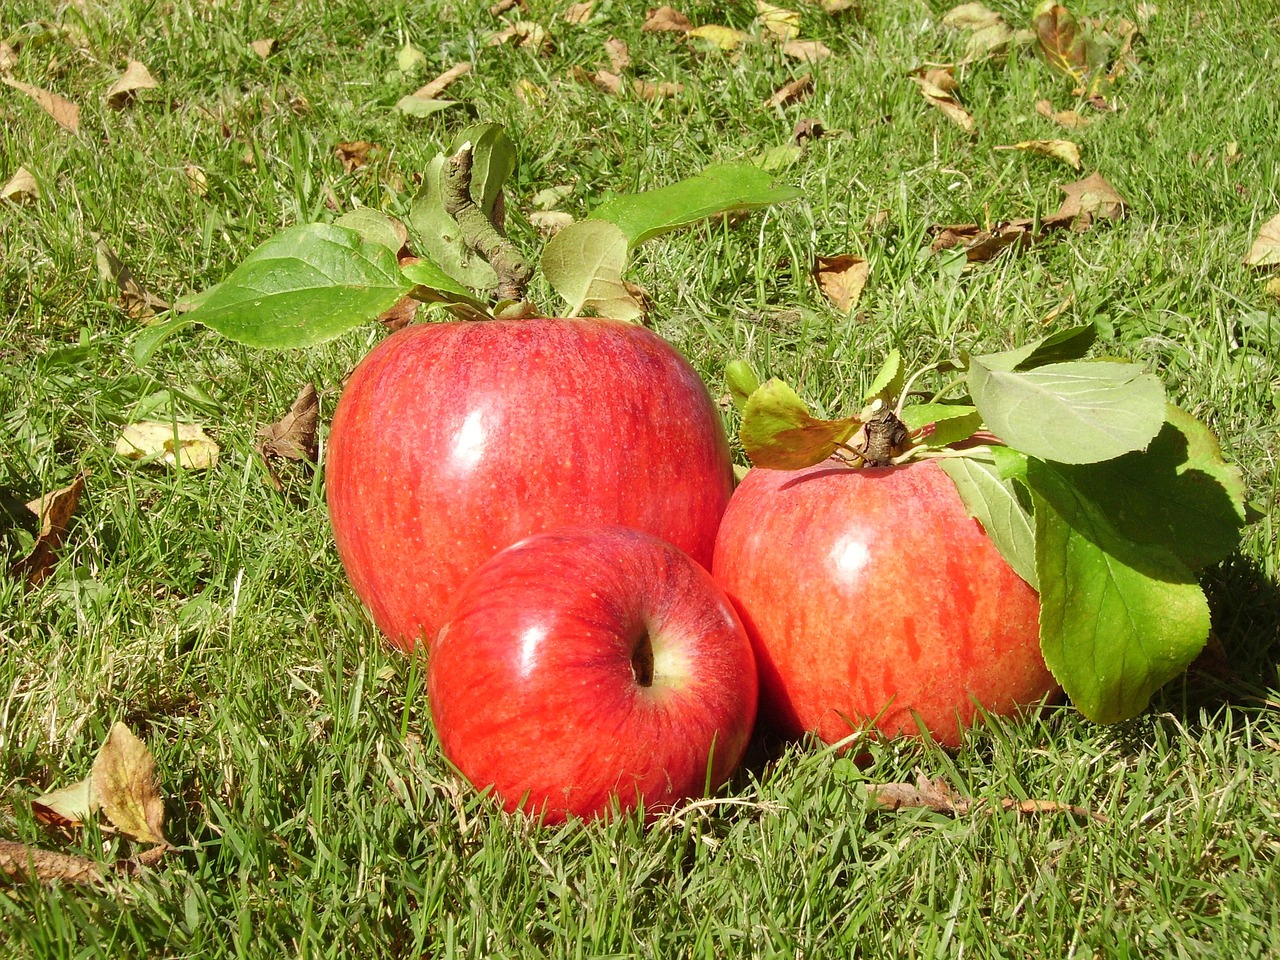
<point x="374" y="226"/>
<point x="779" y="432"/>
<point x="1178" y="494"/>
<point x="148" y="341"/>
<point x="716" y="190"/>
<point x="433" y="285"/>
<point x="993" y="501"/>
<point x="1070" y="344"/>
<point x="422" y="106"/>
<point x="493" y="160"/>
<point x="888" y="382"/>
<point x="952" y="422"/>
<point x="1076" y="412"/>
<point x="1118" y="619"/>
<point x="584" y="264"/>
<point x="742" y="382"/>
<point x="305" y="285"/>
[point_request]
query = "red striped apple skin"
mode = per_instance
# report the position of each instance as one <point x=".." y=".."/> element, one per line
<point x="454" y="440"/>
<point x="591" y="670"/>
<point x="872" y="598"/>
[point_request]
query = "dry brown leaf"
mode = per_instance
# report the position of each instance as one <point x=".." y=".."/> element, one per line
<point x="8" y="58"/>
<point x="944" y="101"/>
<point x="66" y="113"/>
<point x="502" y="6"/>
<point x="656" y="91"/>
<point x="942" y="79"/>
<point x="66" y="807"/>
<point x="577" y="13"/>
<point x="792" y="92"/>
<point x="1064" y="118"/>
<point x="1063" y="150"/>
<point x="183" y="444"/>
<point x="841" y="279"/>
<point x="293" y="436"/>
<point x="666" y="19"/>
<point x="21" y="187"/>
<point x="54" y="511"/>
<point x="135" y="77"/>
<point x="524" y="34"/>
<point x="550" y="222"/>
<point x="433" y="89"/>
<point x="782" y="24"/>
<point x="981" y="245"/>
<point x="135" y="300"/>
<point x="263" y="48"/>
<point x="810" y="51"/>
<point x="607" y="81"/>
<point x="971" y="16"/>
<point x="401" y="315"/>
<point x="354" y="154"/>
<point x="1265" y="251"/>
<point x="1088" y="199"/>
<point x="197" y="182"/>
<point x="938" y="796"/>
<point x="619" y="54"/>
<point x="807" y="129"/>
<point x="124" y="786"/>
<point x="726" y="38"/>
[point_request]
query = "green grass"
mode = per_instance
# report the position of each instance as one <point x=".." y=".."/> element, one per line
<point x="314" y="813"/>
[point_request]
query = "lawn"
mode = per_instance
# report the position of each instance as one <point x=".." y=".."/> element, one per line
<point x="207" y="610"/>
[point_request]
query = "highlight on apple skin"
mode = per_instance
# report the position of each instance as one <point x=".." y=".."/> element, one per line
<point x="588" y="671"/>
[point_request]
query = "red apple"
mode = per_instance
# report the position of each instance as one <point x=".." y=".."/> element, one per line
<point x="589" y="668"/>
<point x="871" y="597"/>
<point x="454" y="440"/>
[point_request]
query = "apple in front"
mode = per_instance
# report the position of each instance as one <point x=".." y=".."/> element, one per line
<point x="454" y="440"/>
<point x="872" y="598"/>
<point x="587" y="670"/>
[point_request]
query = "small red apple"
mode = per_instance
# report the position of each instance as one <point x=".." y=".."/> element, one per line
<point x="870" y="596"/>
<point x="591" y="667"/>
<point x="454" y="440"/>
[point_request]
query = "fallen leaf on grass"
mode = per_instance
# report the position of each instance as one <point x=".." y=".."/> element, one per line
<point x="792" y="92"/>
<point x="528" y="92"/>
<point x="21" y="187"/>
<point x="807" y="129"/>
<point x="1265" y="251"/>
<point x="433" y="88"/>
<point x="293" y="436"/>
<point x="8" y="57"/>
<point x="183" y="444"/>
<point x="54" y="511"/>
<point x="196" y="180"/>
<point x="135" y="77"/>
<point x="666" y="19"/>
<point x="354" y="154"/>
<point x="502" y="6"/>
<point x="526" y="35"/>
<point x="619" y="54"/>
<point x="410" y="59"/>
<point x="841" y="279"/>
<point x="263" y="48"/>
<point x="18" y="861"/>
<point x="725" y="38"/>
<point x="577" y="13"/>
<point x="981" y="245"/>
<point x="938" y="796"/>
<point x="124" y="786"/>
<point x="1063" y="150"/>
<point x="656" y="91"/>
<point x="810" y="51"/>
<point x="1064" y="118"/>
<point x="945" y="101"/>
<point x="837" y="6"/>
<point x="550" y="222"/>
<point x="134" y="299"/>
<point x="1272" y="288"/>
<point x="66" y="113"/>
<point x="781" y="23"/>
<point x="971" y="16"/>
<point x="66" y="807"/>
<point x="1089" y="199"/>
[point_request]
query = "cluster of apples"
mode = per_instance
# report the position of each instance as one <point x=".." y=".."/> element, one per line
<point x="549" y="505"/>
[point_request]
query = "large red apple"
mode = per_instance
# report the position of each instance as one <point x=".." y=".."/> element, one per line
<point x="592" y="668"/>
<point x="872" y="597"/>
<point x="454" y="440"/>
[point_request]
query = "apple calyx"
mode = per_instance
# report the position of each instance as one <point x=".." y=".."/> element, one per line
<point x="642" y="660"/>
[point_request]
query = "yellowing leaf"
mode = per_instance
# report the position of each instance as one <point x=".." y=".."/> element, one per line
<point x="841" y="279"/>
<point x="410" y="59"/>
<point x="944" y="101"/>
<point x="135" y="77"/>
<point x="73" y="805"/>
<point x="779" y="432"/>
<point x="810" y="51"/>
<point x="528" y="92"/>
<point x="66" y="113"/>
<point x="781" y="23"/>
<point x="1265" y="251"/>
<point x="1064" y="118"/>
<point x="971" y="16"/>
<point x="21" y="186"/>
<point x="196" y="180"/>
<point x="726" y="38"/>
<point x="1063" y="150"/>
<point x="124" y="785"/>
<point x="183" y="444"/>
<point x="1272" y="288"/>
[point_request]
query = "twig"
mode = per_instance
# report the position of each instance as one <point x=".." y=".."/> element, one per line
<point x="479" y="233"/>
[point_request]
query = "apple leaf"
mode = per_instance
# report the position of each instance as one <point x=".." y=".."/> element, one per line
<point x="779" y="432"/>
<point x="952" y="422"/>
<point x="1178" y="494"/>
<point x="888" y="381"/>
<point x="305" y="285"/>
<point x="718" y="189"/>
<point x="742" y="382"/>
<point x="1069" y="344"/>
<point x="584" y="264"/>
<point x="376" y="227"/>
<point x="1059" y="40"/>
<point x="433" y="285"/>
<point x="1073" y="412"/>
<point x="991" y="499"/>
<point x="1118" y="619"/>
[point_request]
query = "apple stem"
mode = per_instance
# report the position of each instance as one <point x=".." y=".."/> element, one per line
<point x="479" y="232"/>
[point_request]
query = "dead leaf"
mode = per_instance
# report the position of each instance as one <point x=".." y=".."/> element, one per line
<point x="666" y="19"/>
<point x="841" y="279"/>
<point x="135" y="77"/>
<point x="780" y="23"/>
<point x="433" y="89"/>
<point x="577" y="13"/>
<point x="18" y="861"/>
<point x="524" y="34"/>
<point x="293" y="437"/>
<point x="182" y="444"/>
<point x="619" y="54"/>
<point x="656" y="91"/>
<point x="410" y="59"/>
<point x="550" y="222"/>
<point x="810" y="51"/>
<point x="263" y="48"/>
<point x="610" y="83"/>
<point x="1064" y="118"/>
<point x="1063" y="150"/>
<point x="528" y="92"/>
<point x="196" y="180"/>
<point x="970" y="16"/>
<point x="66" y="807"/>
<point x="54" y="511"/>
<point x="21" y="187"/>
<point x="944" y="101"/>
<point x="941" y="77"/>
<point x="124" y="785"/>
<point x="1272" y="288"/>
<point x="66" y="113"/>
<point x="837" y="6"/>
<point x="807" y="129"/>
<point x="1090" y="198"/>
<point x="134" y="299"/>
<point x="938" y="796"/>
<point x="354" y="154"/>
<point x="394" y="318"/>
<point x="8" y="58"/>
<point x="726" y="38"/>
<point x="549" y="198"/>
<point x="502" y="6"/>
<point x="792" y="92"/>
<point x="1265" y="251"/>
<point x="981" y="245"/>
